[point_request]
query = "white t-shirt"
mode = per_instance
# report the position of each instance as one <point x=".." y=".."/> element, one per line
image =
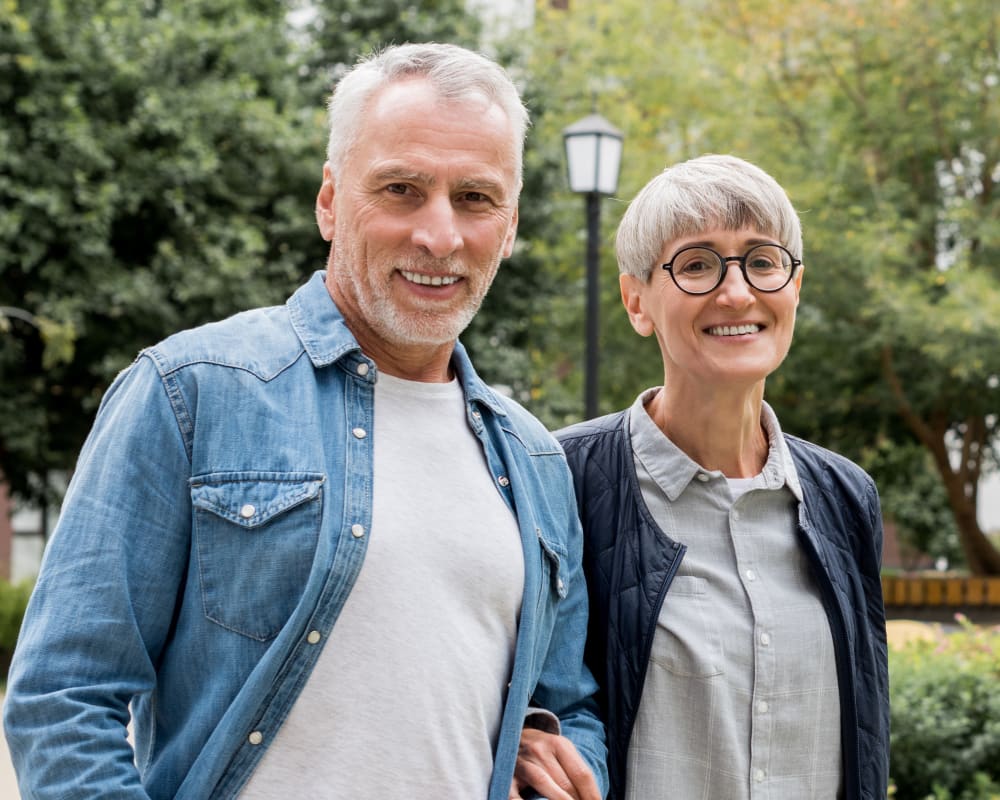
<point x="407" y="696"/>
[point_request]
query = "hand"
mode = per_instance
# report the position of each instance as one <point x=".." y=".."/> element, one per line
<point x="551" y="766"/>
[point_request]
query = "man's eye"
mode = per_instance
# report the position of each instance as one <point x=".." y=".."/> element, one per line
<point x="476" y="197"/>
<point x="397" y="188"/>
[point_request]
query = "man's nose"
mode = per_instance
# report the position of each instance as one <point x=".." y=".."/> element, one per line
<point x="436" y="228"/>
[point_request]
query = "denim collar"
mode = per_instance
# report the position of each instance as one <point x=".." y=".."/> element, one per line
<point x="326" y="339"/>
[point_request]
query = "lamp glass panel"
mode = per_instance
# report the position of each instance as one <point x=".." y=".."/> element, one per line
<point x="581" y="154"/>
<point x="608" y="164"/>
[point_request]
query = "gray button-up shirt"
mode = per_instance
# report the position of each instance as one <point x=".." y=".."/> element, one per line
<point x="741" y="697"/>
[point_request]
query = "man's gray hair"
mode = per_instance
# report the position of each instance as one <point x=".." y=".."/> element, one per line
<point x="711" y="191"/>
<point x="455" y="73"/>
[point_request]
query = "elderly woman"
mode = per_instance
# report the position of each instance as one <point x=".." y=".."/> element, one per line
<point x="737" y="625"/>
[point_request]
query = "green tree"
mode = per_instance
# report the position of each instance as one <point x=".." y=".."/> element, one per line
<point x="152" y="177"/>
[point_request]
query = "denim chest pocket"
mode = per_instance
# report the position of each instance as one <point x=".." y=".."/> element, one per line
<point x="688" y="639"/>
<point x="255" y="536"/>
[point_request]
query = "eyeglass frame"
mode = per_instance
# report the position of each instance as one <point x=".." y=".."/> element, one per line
<point x="724" y="261"/>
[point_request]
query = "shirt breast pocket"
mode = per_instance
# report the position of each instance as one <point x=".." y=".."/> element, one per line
<point x="255" y="536"/>
<point x="688" y="642"/>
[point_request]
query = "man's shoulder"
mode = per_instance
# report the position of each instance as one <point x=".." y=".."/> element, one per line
<point x="261" y="341"/>
<point x="525" y="425"/>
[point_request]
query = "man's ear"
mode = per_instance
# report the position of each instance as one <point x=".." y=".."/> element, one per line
<point x="632" y="294"/>
<point x="325" y="215"/>
<point x="508" y="242"/>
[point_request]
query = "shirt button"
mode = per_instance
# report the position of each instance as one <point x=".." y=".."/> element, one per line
<point x="702" y="477"/>
<point x="765" y="639"/>
<point x="751" y="575"/>
<point x="362" y="369"/>
<point x="359" y="433"/>
<point x="314" y="637"/>
<point x="248" y="511"/>
<point x="503" y="480"/>
<point x="255" y="738"/>
<point x="759" y="775"/>
<point x="763" y="707"/>
<point x="357" y="531"/>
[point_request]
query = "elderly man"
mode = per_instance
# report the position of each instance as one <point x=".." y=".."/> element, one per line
<point x="307" y="546"/>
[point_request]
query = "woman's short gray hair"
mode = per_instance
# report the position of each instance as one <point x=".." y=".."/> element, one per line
<point x="455" y="73"/>
<point x="711" y="191"/>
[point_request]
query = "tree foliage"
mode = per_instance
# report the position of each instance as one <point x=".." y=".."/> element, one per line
<point x="152" y="177"/>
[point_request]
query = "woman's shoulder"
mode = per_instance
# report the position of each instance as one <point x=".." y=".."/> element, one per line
<point x="825" y="468"/>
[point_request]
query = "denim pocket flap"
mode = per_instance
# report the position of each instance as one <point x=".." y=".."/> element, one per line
<point x="252" y="499"/>
<point x="555" y="558"/>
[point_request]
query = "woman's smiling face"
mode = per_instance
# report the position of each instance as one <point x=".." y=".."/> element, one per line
<point x="734" y="334"/>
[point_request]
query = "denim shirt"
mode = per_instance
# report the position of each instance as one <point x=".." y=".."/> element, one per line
<point x="216" y="522"/>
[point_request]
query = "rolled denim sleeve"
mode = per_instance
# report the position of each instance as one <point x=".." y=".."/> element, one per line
<point x="104" y="601"/>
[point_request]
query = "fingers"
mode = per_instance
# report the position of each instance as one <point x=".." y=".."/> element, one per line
<point x="551" y="765"/>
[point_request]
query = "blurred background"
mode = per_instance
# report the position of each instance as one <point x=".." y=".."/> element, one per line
<point x="159" y="161"/>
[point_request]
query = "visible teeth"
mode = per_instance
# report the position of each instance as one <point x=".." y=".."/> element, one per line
<point x="430" y="280"/>
<point x="733" y="330"/>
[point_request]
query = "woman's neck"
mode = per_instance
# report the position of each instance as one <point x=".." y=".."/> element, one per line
<point x="718" y="429"/>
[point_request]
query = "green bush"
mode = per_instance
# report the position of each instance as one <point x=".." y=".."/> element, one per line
<point x="13" y="601"/>
<point x="945" y="709"/>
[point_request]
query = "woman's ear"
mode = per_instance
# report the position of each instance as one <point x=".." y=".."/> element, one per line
<point x="633" y="291"/>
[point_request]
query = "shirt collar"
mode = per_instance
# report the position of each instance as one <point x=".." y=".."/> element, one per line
<point x="326" y="339"/>
<point x="673" y="469"/>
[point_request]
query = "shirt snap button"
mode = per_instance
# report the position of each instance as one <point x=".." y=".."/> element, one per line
<point x="314" y="637"/>
<point x="357" y="531"/>
<point x="503" y="480"/>
<point x="255" y="738"/>
<point x="359" y="433"/>
<point x="362" y="369"/>
<point x="248" y="511"/>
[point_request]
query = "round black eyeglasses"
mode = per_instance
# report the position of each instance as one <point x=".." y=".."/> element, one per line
<point x="700" y="270"/>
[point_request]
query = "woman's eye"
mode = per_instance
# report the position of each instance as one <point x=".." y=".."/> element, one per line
<point x="761" y="264"/>
<point x="695" y="267"/>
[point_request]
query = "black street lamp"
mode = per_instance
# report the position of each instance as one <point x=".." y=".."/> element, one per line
<point x="593" y="156"/>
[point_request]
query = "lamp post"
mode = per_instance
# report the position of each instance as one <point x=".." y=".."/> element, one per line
<point x="593" y="157"/>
